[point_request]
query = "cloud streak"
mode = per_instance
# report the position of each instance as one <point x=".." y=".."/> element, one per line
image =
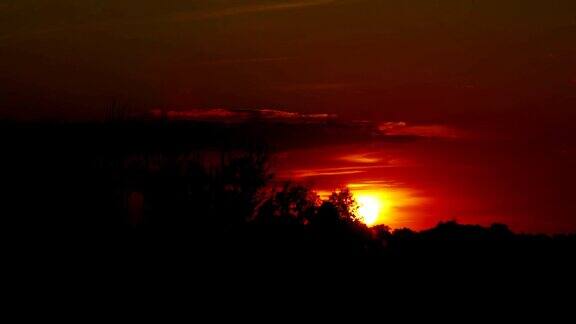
<point x="173" y="17"/>
<point x="330" y="86"/>
<point x="333" y="171"/>
<point x="245" y="60"/>
<point x="364" y="158"/>
<point x="248" y="9"/>
<point x="238" y="115"/>
<point x="432" y="131"/>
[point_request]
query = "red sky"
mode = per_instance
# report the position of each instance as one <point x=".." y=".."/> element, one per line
<point x="500" y="72"/>
<point x="528" y="187"/>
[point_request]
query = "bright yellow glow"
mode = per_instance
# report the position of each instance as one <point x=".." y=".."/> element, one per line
<point x="381" y="203"/>
<point x="368" y="208"/>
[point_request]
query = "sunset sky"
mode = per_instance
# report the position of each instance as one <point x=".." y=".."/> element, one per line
<point x="488" y="85"/>
<point x="442" y="60"/>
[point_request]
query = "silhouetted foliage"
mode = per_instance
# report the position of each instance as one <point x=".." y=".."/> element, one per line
<point x="139" y="189"/>
<point x="344" y="202"/>
<point x="290" y="204"/>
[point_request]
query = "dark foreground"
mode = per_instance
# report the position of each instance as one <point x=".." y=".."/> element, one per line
<point x="134" y="203"/>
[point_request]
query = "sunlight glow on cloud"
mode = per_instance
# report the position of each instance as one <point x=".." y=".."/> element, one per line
<point x="374" y="183"/>
<point x="237" y="115"/>
<point x="402" y="128"/>
<point x="335" y="171"/>
<point x="324" y="172"/>
<point x="361" y="158"/>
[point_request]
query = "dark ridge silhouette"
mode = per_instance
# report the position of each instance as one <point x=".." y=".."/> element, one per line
<point x="188" y="196"/>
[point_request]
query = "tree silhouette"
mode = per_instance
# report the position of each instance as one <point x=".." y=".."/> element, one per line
<point x="345" y="203"/>
<point x="186" y="202"/>
<point x="289" y="204"/>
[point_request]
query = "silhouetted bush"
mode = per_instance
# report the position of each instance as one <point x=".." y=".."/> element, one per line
<point x="139" y="189"/>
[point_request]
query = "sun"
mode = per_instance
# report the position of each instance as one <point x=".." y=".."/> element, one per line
<point x="368" y="208"/>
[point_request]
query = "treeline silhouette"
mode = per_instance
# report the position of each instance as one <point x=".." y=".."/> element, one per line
<point x="188" y="193"/>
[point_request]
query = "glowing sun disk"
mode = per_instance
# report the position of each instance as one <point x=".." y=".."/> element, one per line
<point x="368" y="208"/>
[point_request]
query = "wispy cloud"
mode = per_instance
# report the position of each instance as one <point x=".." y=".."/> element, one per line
<point x="374" y="184"/>
<point x="327" y="86"/>
<point x="247" y="9"/>
<point x="180" y="16"/>
<point x="239" y="115"/>
<point x="245" y="60"/>
<point x="364" y="158"/>
<point x="433" y="130"/>
<point x="336" y="171"/>
<point x="325" y="172"/>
